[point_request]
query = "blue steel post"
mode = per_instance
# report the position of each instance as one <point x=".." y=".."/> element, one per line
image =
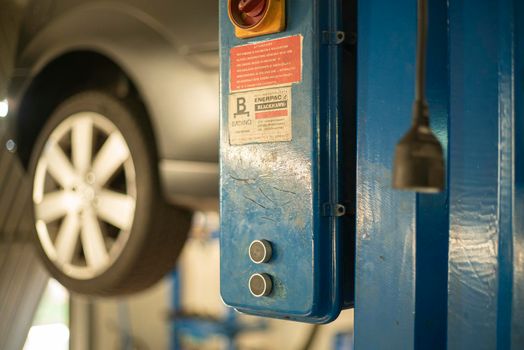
<point x="385" y="250"/>
<point x="176" y="306"/>
<point x="474" y="88"/>
<point x="517" y="314"/>
<point x="432" y="213"/>
<point x="506" y="103"/>
<point x="484" y="227"/>
<point x="474" y="174"/>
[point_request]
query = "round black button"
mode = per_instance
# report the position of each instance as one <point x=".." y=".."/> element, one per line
<point x="260" y="284"/>
<point x="260" y="251"/>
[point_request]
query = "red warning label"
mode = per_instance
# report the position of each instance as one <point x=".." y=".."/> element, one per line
<point x="266" y="64"/>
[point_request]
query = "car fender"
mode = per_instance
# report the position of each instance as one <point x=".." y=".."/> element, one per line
<point x="179" y="90"/>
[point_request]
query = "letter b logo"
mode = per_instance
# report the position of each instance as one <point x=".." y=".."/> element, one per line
<point x="241" y="107"/>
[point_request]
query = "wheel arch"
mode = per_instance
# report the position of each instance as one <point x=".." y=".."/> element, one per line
<point x="62" y="77"/>
<point x="178" y="90"/>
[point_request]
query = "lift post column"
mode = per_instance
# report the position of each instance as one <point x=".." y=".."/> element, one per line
<point x="442" y="271"/>
<point x="287" y="219"/>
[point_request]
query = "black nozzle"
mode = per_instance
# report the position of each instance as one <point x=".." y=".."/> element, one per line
<point x="419" y="159"/>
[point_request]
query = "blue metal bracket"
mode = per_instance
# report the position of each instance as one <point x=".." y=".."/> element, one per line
<point x="292" y="192"/>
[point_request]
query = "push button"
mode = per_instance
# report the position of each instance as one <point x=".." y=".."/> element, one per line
<point x="260" y="251"/>
<point x="260" y="284"/>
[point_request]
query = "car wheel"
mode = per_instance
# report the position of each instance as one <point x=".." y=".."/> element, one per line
<point x="102" y="225"/>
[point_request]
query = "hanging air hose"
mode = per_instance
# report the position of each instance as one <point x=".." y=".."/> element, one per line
<point x="419" y="160"/>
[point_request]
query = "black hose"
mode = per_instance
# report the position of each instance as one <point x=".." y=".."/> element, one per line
<point x="422" y="33"/>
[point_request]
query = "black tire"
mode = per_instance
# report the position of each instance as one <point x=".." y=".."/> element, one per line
<point x="158" y="231"/>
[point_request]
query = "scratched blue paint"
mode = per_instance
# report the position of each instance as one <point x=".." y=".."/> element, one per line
<point x="486" y="250"/>
<point x="277" y="191"/>
<point x="475" y="70"/>
<point x="517" y="314"/>
<point x="385" y="252"/>
<point x="505" y="37"/>
<point x="480" y="175"/>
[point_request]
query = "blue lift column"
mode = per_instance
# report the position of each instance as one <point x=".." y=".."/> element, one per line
<point x="287" y="189"/>
<point x="439" y="271"/>
<point x="444" y="271"/>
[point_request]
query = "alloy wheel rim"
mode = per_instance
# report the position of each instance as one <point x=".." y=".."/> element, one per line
<point x="83" y="220"/>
